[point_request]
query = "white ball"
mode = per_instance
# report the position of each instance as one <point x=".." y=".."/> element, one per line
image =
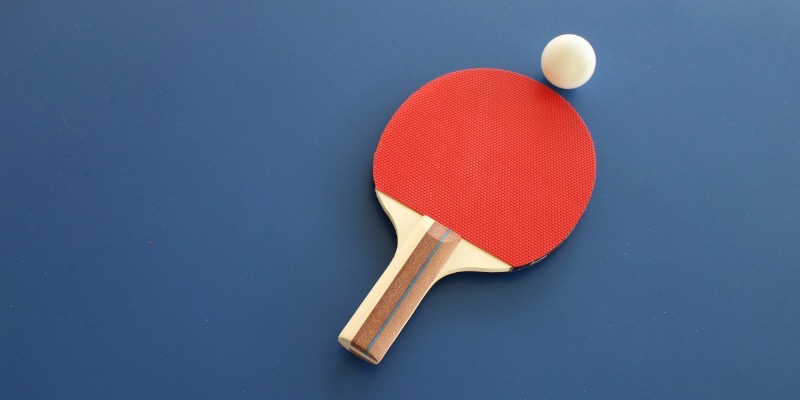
<point x="568" y="61"/>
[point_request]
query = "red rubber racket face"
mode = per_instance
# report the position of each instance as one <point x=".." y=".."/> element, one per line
<point x="497" y="157"/>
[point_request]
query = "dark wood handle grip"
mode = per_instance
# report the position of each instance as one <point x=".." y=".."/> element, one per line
<point x="387" y="308"/>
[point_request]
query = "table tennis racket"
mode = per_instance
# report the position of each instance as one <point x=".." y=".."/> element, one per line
<point x="479" y="170"/>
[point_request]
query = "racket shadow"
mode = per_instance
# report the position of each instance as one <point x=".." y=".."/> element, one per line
<point x="492" y="295"/>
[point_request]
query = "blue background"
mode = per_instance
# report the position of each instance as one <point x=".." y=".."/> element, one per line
<point x="187" y="208"/>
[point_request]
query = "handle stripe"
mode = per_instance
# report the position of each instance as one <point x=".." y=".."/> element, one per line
<point x="410" y="285"/>
<point x="405" y="292"/>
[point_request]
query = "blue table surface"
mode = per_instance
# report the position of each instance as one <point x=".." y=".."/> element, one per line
<point x="187" y="205"/>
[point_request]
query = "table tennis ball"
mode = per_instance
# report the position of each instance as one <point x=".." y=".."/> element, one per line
<point x="568" y="61"/>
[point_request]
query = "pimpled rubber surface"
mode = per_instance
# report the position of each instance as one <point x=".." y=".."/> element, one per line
<point x="494" y="155"/>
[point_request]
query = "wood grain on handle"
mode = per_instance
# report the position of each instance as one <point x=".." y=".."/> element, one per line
<point x="371" y="332"/>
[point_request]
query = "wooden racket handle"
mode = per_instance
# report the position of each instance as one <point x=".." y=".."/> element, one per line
<point x="415" y="267"/>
